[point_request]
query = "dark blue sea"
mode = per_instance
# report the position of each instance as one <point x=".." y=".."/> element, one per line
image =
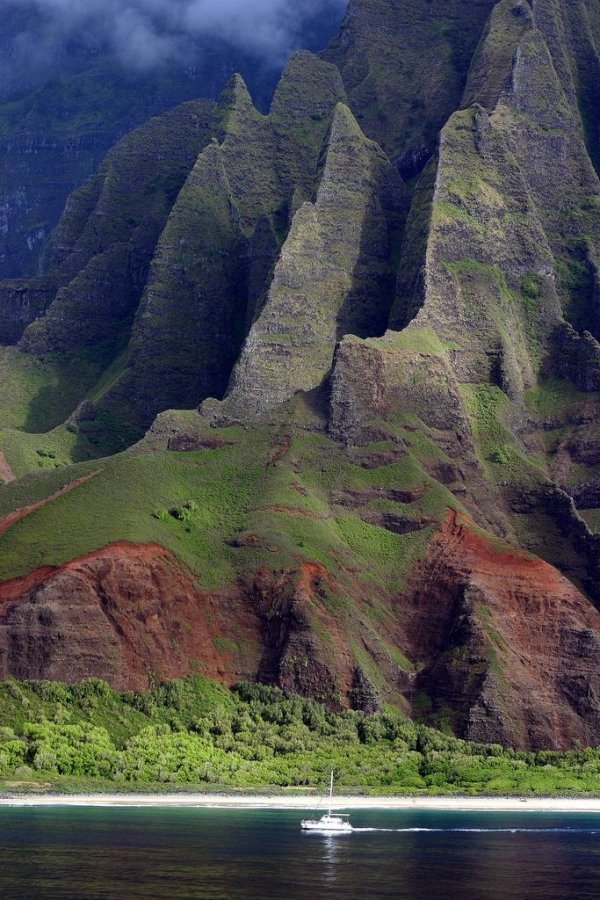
<point x="60" y="852"/>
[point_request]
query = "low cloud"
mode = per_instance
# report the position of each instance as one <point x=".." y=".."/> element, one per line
<point x="146" y="33"/>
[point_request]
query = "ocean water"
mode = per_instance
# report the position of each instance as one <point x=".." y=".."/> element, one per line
<point x="60" y="852"/>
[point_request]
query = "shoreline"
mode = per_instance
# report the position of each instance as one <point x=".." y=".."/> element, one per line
<point x="307" y="802"/>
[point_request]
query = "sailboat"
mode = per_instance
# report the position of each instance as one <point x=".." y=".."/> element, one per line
<point x="337" y="823"/>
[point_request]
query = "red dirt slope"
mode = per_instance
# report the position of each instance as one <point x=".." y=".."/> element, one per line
<point x="508" y="646"/>
<point x="505" y="648"/>
<point x="126" y="613"/>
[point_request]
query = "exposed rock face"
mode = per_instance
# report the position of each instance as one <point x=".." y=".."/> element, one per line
<point x="578" y="358"/>
<point x="372" y="378"/>
<point x="431" y="44"/>
<point x="364" y="697"/>
<point x="333" y="276"/>
<point x="132" y="614"/>
<point x="183" y="299"/>
<point x="22" y="302"/>
<point x="513" y="170"/>
<point x="587" y="496"/>
<point x="126" y="614"/>
<point x="293" y="619"/>
<point x="505" y="642"/>
<point x="220" y="243"/>
<point x="376" y="381"/>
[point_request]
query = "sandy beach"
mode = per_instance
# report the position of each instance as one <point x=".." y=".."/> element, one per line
<point x="233" y="801"/>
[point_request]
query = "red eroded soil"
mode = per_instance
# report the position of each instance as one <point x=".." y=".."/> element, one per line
<point x="501" y="642"/>
<point x="309" y="571"/>
<point x="125" y="613"/>
<point x="16" y="516"/>
<point x="131" y="614"/>
<point x="505" y="641"/>
<point x="6" y="473"/>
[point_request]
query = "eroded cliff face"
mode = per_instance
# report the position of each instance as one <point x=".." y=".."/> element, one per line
<point x="334" y="275"/>
<point x="494" y="642"/>
<point x="428" y="48"/>
<point x="508" y="649"/>
<point x="132" y="614"/>
<point x="217" y="252"/>
<point x="378" y="307"/>
<point x="127" y="614"/>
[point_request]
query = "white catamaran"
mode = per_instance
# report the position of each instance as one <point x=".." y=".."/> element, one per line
<point x="337" y="823"/>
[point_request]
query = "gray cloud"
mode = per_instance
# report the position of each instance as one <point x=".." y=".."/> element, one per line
<point x="144" y="33"/>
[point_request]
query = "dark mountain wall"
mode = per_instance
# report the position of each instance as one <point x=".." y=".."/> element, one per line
<point x="62" y="107"/>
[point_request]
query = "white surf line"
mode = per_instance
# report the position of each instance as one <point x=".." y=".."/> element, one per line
<point x="233" y="801"/>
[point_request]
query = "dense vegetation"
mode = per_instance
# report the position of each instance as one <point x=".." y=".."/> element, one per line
<point x="195" y="732"/>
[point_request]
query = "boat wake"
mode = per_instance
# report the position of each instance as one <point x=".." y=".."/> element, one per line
<point x="485" y="830"/>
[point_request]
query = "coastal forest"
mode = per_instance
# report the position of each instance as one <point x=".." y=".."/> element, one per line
<point x="197" y="734"/>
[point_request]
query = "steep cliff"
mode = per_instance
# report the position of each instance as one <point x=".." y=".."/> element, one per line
<point x="335" y="274"/>
<point x="219" y="246"/>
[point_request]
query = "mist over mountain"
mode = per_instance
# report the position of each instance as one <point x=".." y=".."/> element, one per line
<point x="76" y="76"/>
<point x="144" y="34"/>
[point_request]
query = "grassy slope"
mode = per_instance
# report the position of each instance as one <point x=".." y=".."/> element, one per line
<point x="233" y="491"/>
<point x="37" y="397"/>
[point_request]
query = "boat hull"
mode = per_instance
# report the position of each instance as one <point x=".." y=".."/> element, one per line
<point x="328" y="828"/>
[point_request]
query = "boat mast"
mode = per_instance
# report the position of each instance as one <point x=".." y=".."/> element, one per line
<point x="330" y="792"/>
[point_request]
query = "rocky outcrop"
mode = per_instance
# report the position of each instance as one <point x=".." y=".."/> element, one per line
<point x="504" y="643"/>
<point x="587" y="495"/>
<point x="294" y="620"/>
<point x="334" y="275"/>
<point x="22" y="302"/>
<point x="364" y="696"/>
<point x="409" y="376"/>
<point x="408" y="372"/>
<point x="577" y="358"/>
<point x="102" y="247"/>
